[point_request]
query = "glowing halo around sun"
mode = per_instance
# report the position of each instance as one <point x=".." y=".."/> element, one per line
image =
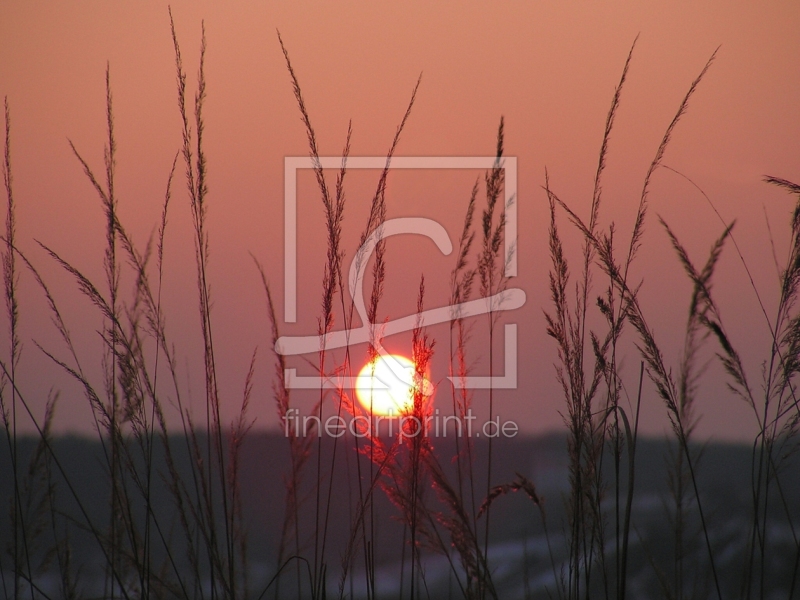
<point x="385" y="386"/>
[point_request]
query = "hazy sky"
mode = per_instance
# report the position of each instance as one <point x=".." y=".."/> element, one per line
<point x="549" y="68"/>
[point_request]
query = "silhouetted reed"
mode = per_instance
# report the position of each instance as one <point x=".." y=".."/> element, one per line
<point x="200" y="548"/>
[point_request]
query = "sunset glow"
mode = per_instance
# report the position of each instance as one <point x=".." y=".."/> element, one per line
<point x="385" y="386"/>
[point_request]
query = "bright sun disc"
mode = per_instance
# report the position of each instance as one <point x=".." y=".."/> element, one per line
<point x="385" y="386"/>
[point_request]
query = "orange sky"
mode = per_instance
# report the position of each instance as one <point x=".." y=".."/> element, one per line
<point x="549" y="67"/>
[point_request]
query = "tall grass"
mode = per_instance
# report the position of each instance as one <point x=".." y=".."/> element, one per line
<point x="197" y="547"/>
<point x="590" y="427"/>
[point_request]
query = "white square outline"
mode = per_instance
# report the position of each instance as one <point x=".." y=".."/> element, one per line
<point x="294" y="163"/>
<point x="509" y="165"/>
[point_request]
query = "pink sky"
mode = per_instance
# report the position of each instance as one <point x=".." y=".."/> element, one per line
<point x="549" y="68"/>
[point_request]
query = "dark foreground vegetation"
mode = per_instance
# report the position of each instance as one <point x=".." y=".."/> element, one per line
<point x="523" y="555"/>
<point x="187" y="509"/>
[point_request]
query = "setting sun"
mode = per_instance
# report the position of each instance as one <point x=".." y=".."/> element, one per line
<point x="385" y="385"/>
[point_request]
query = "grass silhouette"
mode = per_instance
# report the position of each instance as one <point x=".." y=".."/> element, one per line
<point x="196" y="544"/>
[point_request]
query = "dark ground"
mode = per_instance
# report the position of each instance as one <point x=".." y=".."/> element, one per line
<point x="519" y="554"/>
